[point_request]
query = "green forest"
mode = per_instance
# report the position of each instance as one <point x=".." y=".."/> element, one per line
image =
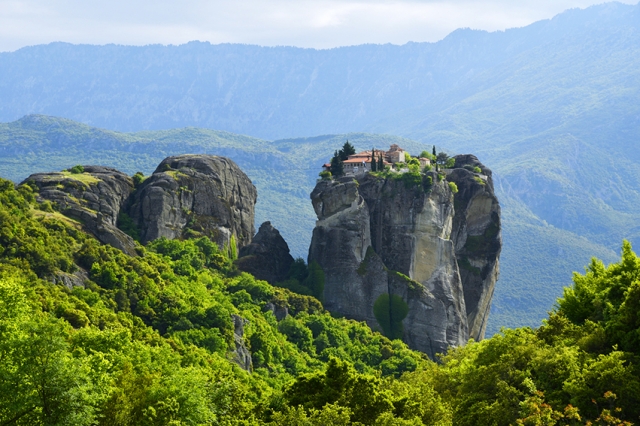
<point x="154" y="340"/>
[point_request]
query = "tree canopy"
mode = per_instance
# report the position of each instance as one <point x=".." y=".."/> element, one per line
<point x="152" y="340"/>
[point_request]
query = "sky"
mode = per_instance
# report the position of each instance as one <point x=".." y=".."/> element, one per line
<point x="303" y="23"/>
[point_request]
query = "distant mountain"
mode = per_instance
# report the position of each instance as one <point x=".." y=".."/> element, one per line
<point x="551" y="108"/>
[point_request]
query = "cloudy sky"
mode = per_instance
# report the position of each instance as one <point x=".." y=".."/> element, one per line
<point x="305" y="23"/>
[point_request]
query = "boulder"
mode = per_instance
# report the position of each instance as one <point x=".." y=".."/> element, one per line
<point x="195" y="195"/>
<point x="267" y="257"/>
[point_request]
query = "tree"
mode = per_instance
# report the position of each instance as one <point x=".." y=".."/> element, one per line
<point x="315" y="280"/>
<point x="435" y="157"/>
<point x="442" y="158"/>
<point x="347" y="150"/>
<point x="380" y="163"/>
<point x="337" y="166"/>
<point x="373" y="160"/>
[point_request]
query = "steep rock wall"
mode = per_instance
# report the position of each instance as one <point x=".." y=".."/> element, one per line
<point x="477" y="238"/>
<point x="389" y="251"/>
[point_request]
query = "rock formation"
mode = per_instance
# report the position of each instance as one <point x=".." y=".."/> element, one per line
<point x="94" y="198"/>
<point x="195" y="195"/>
<point x="267" y="257"/>
<point x="389" y="249"/>
<point x="477" y="239"/>
<point x="188" y="195"/>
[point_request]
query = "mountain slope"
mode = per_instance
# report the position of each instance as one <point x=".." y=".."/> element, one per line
<point x="537" y="258"/>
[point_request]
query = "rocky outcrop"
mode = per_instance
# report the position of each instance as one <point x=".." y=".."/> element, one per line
<point x="188" y="195"/>
<point x="241" y="355"/>
<point x="191" y="195"/>
<point x="389" y="251"/>
<point x="94" y="198"/>
<point x="267" y="257"/>
<point x="477" y="238"/>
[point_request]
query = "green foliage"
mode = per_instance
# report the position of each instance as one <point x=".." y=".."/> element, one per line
<point x="453" y="187"/>
<point x="341" y="385"/>
<point x="148" y="341"/>
<point x="477" y="169"/>
<point x="442" y="159"/>
<point x="77" y="169"/>
<point x="346" y="151"/>
<point x="337" y="165"/>
<point x="389" y="311"/>
<point x="450" y="163"/>
<point x="305" y="280"/>
<point x="232" y="248"/>
<point x="315" y="281"/>
<point x="325" y="175"/>
<point x="128" y="226"/>
<point x="149" y="338"/>
<point x="610" y="297"/>
<point x="374" y="163"/>
<point x="138" y="178"/>
<point x="427" y="154"/>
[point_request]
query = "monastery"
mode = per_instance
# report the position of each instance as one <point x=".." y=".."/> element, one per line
<point x="361" y="162"/>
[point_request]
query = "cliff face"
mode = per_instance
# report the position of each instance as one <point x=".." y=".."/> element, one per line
<point x="192" y="195"/>
<point x="188" y="195"/>
<point x="477" y="239"/>
<point x="95" y="198"/>
<point x="389" y="250"/>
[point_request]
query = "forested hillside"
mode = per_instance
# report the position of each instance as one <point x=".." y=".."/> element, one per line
<point x="551" y="108"/>
<point x="159" y="338"/>
<point x="285" y="173"/>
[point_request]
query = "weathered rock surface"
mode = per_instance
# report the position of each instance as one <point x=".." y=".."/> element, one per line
<point x="241" y="355"/>
<point x="94" y="198"/>
<point x="267" y="257"/>
<point x="389" y="251"/>
<point x="190" y="195"/>
<point x="477" y="238"/>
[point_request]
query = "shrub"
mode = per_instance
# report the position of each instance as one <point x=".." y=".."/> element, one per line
<point x="325" y="174"/>
<point x="138" y="178"/>
<point x="477" y="169"/>
<point x="77" y="169"/>
<point x="453" y="187"/>
<point x="450" y="163"/>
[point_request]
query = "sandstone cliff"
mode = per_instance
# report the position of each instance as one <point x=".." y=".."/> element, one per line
<point x="389" y="249"/>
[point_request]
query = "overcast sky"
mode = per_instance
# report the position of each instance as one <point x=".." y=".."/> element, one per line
<point x="305" y="23"/>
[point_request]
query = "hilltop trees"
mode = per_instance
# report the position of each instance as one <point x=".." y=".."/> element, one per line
<point x="337" y="165"/>
<point x="347" y="150"/>
<point x="337" y="161"/>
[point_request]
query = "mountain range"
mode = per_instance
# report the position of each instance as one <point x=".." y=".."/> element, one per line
<point x="551" y="108"/>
